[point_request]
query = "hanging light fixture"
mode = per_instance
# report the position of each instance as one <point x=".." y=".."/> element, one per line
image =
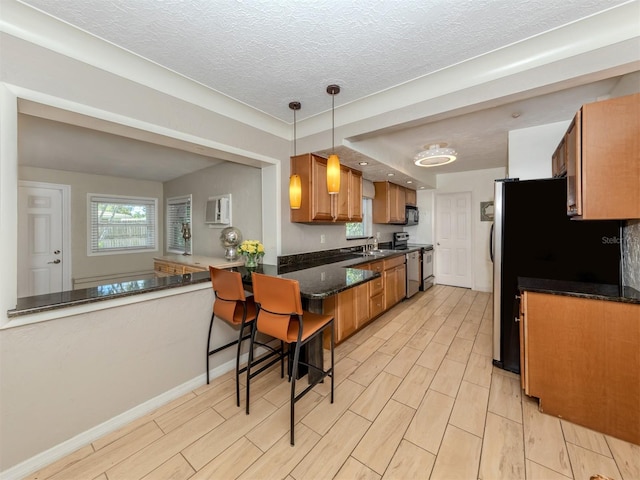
<point x="333" y="162"/>
<point x="295" y="183"/>
<point x="435" y="155"/>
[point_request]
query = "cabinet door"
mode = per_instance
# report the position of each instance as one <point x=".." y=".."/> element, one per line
<point x="341" y="201"/>
<point x="355" y="196"/>
<point x="321" y="200"/>
<point x="376" y="305"/>
<point x="401" y="204"/>
<point x="361" y="305"/>
<point x="524" y="381"/>
<point x="390" y="288"/>
<point x="345" y="314"/>
<point x="401" y="282"/>
<point x="610" y="166"/>
<point x="558" y="160"/>
<point x="574" y="188"/>
<point x="412" y="197"/>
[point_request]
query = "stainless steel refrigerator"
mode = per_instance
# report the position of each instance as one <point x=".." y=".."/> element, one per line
<point x="532" y="236"/>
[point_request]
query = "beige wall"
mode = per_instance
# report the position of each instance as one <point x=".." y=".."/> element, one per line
<point x="81" y="184"/>
<point x="244" y="185"/>
<point x="64" y="377"/>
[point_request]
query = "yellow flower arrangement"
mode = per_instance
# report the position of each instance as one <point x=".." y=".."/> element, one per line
<point x="251" y="250"/>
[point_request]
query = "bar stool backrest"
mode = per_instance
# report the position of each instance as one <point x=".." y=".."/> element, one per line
<point x="229" y="292"/>
<point x="279" y="303"/>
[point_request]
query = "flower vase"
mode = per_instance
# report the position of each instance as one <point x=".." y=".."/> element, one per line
<point x="250" y="261"/>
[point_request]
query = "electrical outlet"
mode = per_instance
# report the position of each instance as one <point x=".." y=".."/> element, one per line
<point x="322" y="238"/>
<point x="378" y="235"/>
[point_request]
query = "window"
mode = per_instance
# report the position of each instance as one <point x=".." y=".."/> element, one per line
<point x="121" y="224"/>
<point x="365" y="228"/>
<point x="178" y="213"/>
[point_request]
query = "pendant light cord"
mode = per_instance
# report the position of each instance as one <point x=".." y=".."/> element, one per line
<point x="333" y="123"/>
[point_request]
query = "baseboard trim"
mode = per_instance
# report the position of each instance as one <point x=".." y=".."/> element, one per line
<point x="63" y="449"/>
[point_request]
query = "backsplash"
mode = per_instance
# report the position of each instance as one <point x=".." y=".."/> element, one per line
<point x="631" y="253"/>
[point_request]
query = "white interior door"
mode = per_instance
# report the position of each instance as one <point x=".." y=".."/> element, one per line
<point x="41" y="239"/>
<point x="453" y="239"/>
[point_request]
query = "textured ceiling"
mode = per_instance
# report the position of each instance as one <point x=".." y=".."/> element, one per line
<point x="266" y="53"/>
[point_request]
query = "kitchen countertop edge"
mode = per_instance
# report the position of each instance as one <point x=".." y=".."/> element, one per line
<point x="594" y="291"/>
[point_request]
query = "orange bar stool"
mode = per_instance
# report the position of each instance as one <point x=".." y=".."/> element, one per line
<point x="236" y="309"/>
<point x="280" y="315"/>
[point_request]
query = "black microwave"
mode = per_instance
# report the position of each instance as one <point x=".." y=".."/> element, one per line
<point x="411" y="215"/>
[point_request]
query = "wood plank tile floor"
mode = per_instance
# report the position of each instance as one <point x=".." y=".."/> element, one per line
<point x="416" y="396"/>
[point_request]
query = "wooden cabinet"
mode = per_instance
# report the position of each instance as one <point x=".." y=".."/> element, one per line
<point x="559" y="160"/>
<point x="317" y="206"/>
<point x="411" y="197"/>
<point x="164" y="268"/>
<point x="350" y="310"/>
<point x="389" y="203"/>
<point x="349" y="200"/>
<point x="602" y="148"/>
<point x="581" y="358"/>
<point x="394" y="276"/>
<point x="375" y="293"/>
<point x="354" y="308"/>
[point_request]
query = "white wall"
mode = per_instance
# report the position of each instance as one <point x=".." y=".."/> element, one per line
<point x="480" y="184"/>
<point x="423" y="232"/>
<point x="530" y="150"/>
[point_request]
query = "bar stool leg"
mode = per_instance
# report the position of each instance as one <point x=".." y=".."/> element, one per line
<point x="250" y="361"/>
<point x="332" y="348"/>
<point x="209" y="345"/>
<point x="294" y="374"/>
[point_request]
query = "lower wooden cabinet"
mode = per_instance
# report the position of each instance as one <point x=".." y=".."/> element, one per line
<point x="394" y="275"/>
<point x="350" y="310"/>
<point x="165" y="268"/>
<point x="581" y="358"/>
<point x="354" y="308"/>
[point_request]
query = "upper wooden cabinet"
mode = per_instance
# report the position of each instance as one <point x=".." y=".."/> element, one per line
<point x="602" y="147"/>
<point x="317" y="206"/>
<point x="411" y="197"/>
<point x="389" y="203"/>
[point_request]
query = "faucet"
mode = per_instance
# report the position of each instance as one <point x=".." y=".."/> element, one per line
<point x="367" y="247"/>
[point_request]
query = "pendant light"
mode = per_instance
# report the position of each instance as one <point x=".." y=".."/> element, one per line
<point x="333" y="162"/>
<point x="295" y="183"/>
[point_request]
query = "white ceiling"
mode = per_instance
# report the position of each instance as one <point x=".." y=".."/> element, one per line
<point x="266" y="53"/>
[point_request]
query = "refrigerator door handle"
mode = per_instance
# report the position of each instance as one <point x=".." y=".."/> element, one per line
<point x="491" y="242"/>
<point x="516" y="309"/>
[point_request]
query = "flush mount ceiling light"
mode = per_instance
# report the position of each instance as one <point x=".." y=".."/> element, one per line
<point x="435" y="155"/>
<point x="333" y="162"/>
<point x="295" y="182"/>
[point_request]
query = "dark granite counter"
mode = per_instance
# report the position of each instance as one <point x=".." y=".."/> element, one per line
<point x="318" y="279"/>
<point x="596" y="291"/>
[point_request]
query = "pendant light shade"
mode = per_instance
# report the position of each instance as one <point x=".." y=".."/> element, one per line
<point x="333" y="163"/>
<point x="295" y="191"/>
<point x="333" y="174"/>
<point x="295" y="182"/>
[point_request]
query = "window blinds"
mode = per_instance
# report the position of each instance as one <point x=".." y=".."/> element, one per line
<point x="178" y="212"/>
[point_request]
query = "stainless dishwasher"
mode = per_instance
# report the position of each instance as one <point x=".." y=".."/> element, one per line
<point x="413" y="273"/>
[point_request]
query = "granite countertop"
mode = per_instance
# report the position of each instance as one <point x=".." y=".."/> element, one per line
<point x="595" y="291"/>
<point x="317" y="281"/>
<point x="199" y="261"/>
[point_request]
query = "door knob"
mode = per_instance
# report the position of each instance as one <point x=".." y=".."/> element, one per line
<point x="56" y="261"/>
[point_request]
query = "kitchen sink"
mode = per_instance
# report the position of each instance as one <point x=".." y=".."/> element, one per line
<point x="376" y="253"/>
